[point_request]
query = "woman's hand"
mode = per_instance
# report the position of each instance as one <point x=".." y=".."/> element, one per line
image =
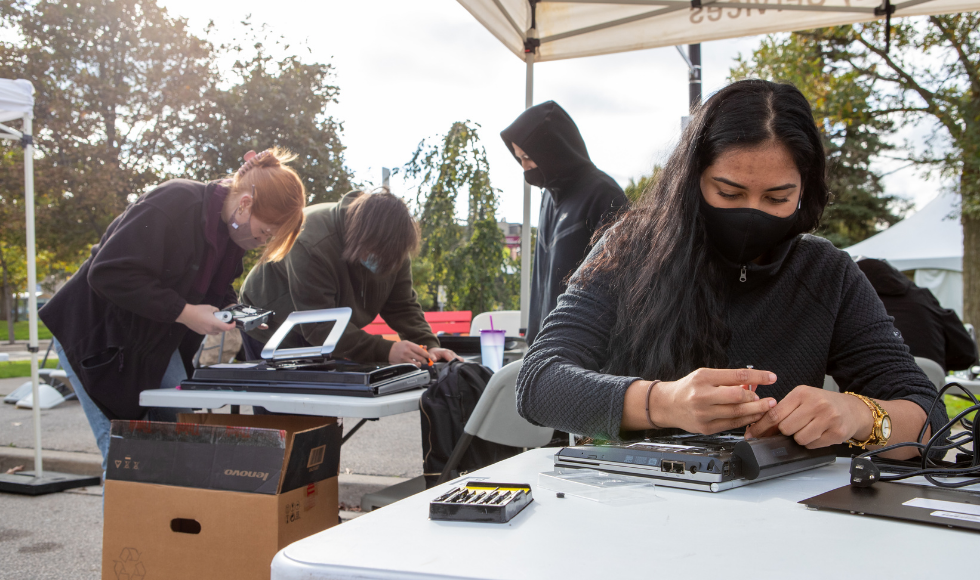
<point x="816" y="418"/>
<point x="705" y="401"/>
<point x="200" y="318"/>
<point x="408" y="352"/>
<point x="443" y="354"/>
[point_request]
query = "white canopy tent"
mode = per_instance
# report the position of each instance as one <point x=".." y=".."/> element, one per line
<point x="930" y="242"/>
<point x="576" y="28"/>
<point x="543" y="30"/>
<point x="17" y="102"/>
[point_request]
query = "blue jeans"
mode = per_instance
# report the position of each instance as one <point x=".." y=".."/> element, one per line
<point x="97" y="420"/>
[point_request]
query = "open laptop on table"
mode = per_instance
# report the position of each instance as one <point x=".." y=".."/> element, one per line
<point x="309" y="370"/>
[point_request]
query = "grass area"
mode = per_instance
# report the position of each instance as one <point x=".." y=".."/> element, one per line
<point x="21" y="332"/>
<point x="955" y="405"/>
<point x="20" y="368"/>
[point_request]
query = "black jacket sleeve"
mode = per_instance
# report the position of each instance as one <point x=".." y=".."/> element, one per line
<point x="561" y="384"/>
<point x="868" y="355"/>
<point x="130" y="265"/>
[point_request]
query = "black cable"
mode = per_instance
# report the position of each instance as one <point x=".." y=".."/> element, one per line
<point x="866" y="468"/>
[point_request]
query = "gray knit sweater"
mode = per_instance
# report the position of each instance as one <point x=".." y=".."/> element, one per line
<point x="809" y="313"/>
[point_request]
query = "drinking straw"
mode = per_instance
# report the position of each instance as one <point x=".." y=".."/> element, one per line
<point x="491" y="322"/>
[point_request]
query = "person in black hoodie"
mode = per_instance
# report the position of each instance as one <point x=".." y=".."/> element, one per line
<point x="929" y="330"/>
<point x="578" y="199"/>
<point x="150" y="288"/>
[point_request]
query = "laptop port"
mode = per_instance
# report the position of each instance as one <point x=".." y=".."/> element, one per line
<point x="667" y="466"/>
<point x="726" y="469"/>
<point x="694" y="469"/>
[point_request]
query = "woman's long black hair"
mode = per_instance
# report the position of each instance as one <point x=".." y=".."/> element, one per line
<point x="656" y="259"/>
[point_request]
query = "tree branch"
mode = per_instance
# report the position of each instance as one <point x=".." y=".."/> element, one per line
<point x="908" y="81"/>
<point x="882" y="112"/>
<point x="971" y="69"/>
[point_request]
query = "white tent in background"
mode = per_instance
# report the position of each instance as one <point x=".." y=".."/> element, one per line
<point x="930" y="242"/>
<point x="543" y="30"/>
<point x="17" y="103"/>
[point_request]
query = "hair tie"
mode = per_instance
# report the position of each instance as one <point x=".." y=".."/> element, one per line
<point x="250" y="163"/>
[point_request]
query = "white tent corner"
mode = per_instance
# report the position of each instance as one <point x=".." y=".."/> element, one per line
<point x="930" y="242"/>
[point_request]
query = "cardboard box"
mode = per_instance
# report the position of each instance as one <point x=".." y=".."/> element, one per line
<point x="215" y="496"/>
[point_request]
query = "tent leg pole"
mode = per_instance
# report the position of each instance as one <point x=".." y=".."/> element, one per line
<point x="694" y="76"/>
<point x="32" y="287"/>
<point x="526" y="226"/>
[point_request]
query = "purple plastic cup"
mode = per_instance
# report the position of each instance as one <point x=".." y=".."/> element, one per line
<point x="492" y="349"/>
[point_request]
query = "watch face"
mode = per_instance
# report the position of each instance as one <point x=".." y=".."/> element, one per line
<point x="886" y="427"/>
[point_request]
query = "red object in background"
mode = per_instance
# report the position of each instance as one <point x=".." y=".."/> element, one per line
<point x="457" y="322"/>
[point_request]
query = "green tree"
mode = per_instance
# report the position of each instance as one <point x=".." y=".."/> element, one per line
<point x="266" y="101"/>
<point x="115" y="82"/>
<point x="469" y="260"/>
<point x="126" y="97"/>
<point x="931" y="73"/>
<point x="634" y="189"/>
<point x="854" y="131"/>
<point x="12" y="248"/>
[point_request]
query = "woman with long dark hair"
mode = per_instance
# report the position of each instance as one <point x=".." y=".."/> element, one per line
<point x="707" y="307"/>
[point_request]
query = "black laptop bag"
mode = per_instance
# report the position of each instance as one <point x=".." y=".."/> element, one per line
<point x="446" y="407"/>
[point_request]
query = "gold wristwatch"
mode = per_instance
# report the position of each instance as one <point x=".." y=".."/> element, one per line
<point x="882" y="429"/>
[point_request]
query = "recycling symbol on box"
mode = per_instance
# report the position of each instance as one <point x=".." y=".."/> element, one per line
<point x="128" y="565"/>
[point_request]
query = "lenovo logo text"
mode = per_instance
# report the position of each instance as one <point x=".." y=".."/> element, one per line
<point x="258" y="474"/>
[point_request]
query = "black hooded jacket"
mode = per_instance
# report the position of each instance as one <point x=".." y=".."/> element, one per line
<point x="578" y="200"/>
<point x="929" y="330"/>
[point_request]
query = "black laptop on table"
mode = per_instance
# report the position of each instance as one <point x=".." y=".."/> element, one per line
<point x="308" y="370"/>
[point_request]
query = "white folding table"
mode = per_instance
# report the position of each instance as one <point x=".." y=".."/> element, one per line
<point x="294" y="404"/>
<point x="755" y="531"/>
<point x="363" y="408"/>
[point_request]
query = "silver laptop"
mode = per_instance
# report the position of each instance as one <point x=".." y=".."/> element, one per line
<point x="701" y="462"/>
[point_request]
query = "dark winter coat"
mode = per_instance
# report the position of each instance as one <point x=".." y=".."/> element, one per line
<point x="929" y="330"/>
<point x="314" y="275"/>
<point x="807" y="314"/>
<point x="577" y="200"/>
<point x="116" y="317"/>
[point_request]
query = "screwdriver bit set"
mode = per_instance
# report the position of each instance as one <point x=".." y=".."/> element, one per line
<point x="480" y="501"/>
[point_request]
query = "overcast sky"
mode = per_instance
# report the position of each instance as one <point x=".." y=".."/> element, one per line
<point x="408" y="70"/>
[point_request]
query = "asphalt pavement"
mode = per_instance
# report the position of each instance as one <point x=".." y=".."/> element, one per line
<point x="59" y="536"/>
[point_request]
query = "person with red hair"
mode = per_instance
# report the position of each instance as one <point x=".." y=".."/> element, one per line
<point x="162" y="269"/>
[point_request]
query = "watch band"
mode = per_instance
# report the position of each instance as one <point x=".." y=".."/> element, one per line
<point x="878" y="414"/>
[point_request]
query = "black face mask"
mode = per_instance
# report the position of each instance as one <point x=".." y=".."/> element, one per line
<point x="743" y="234"/>
<point x="534" y="177"/>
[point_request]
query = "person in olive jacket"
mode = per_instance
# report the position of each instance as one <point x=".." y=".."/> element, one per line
<point x="355" y="253"/>
<point x="153" y="282"/>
